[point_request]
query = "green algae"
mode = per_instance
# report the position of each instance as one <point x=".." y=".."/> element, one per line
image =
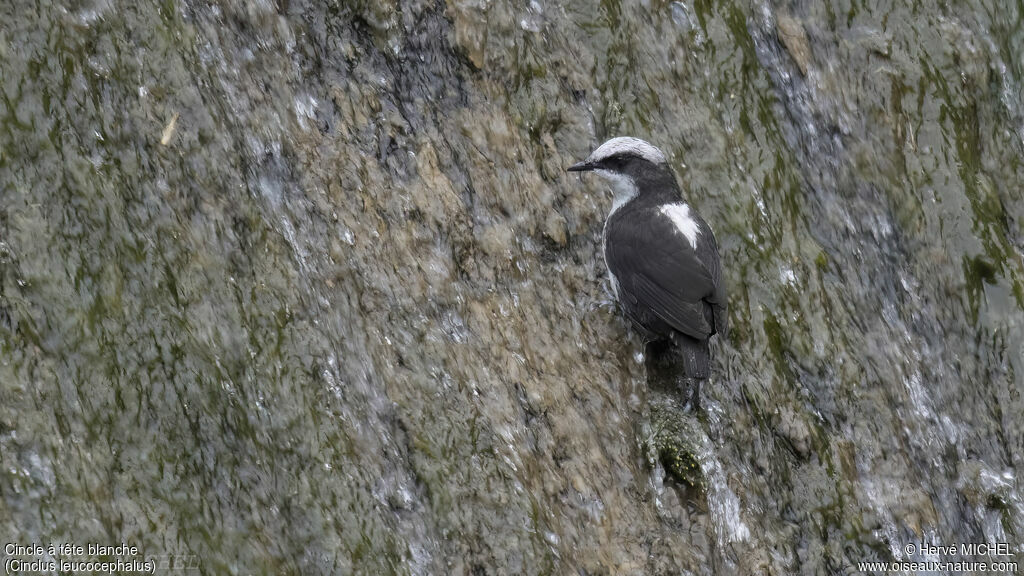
<point x="672" y="443"/>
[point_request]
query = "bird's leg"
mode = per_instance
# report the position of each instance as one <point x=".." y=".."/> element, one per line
<point x="666" y="374"/>
<point x="690" y="389"/>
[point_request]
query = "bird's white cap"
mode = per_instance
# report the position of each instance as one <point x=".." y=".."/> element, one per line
<point x="629" y="144"/>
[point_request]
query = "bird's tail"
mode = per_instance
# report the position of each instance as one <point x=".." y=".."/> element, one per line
<point x="679" y="365"/>
<point x="694" y="356"/>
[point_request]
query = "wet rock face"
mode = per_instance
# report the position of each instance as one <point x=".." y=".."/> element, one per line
<point x="303" y="287"/>
<point x="794" y="38"/>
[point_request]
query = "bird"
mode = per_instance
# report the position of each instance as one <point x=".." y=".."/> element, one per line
<point x="661" y="256"/>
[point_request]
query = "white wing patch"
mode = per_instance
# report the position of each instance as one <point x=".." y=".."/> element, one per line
<point x="679" y="214"/>
<point x="626" y="144"/>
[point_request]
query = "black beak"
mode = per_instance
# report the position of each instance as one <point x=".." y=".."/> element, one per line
<point x="581" y="167"/>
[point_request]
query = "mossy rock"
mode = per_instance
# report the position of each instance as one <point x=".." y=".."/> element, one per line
<point x="673" y="444"/>
<point x="680" y="463"/>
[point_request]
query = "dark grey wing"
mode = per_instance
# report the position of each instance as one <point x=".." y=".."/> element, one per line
<point x="691" y="318"/>
<point x="707" y="252"/>
<point x="657" y="266"/>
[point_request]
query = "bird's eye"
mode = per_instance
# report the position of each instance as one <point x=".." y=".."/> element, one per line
<point x="614" y="163"/>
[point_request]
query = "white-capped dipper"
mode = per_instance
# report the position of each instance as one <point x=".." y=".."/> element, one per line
<point x="661" y="255"/>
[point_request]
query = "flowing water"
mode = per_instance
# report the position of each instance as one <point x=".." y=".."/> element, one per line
<point x="303" y="287"/>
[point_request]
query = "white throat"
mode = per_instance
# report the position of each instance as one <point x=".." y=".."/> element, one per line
<point x="623" y="188"/>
